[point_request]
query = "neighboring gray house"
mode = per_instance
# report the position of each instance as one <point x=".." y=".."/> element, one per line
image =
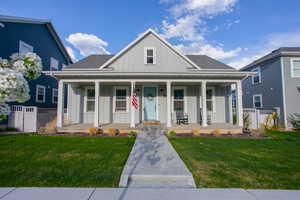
<point x="276" y="84"/>
<point x="165" y="81"/>
<point x="31" y="35"/>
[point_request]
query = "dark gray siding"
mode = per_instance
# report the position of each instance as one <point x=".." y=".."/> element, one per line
<point x="292" y="95"/>
<point x="38" y="36"/>
<point x="270" y="87"/>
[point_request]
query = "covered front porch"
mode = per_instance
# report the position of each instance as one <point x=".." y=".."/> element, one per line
<point x="107" y="103"/>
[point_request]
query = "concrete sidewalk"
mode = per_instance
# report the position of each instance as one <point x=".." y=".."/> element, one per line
<point x="154" y="163"/>
<point x="144" y="193"/>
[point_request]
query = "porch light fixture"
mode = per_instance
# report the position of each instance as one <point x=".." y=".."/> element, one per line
<point x="298" y="87"/>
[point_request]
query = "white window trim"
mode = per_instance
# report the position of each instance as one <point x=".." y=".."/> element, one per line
<point x="213" y="98"/>
<point x="36" y="94"/>
<point x="184" y="98"/>
<point x="54" y="89"/>
<point x="259" y="75"/>
<point x="86" y="99"/>
<point x="22" y="43"/>
<point x="292" y="67"/>
<point x="127" y="99"/>
<point x="261" y="100"/>
<point x="52" y="68"/>
<point x="145" y="55"/>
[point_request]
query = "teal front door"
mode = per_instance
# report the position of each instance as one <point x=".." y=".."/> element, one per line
<point x="149" y="103"/>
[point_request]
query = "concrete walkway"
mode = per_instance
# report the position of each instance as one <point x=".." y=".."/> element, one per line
<point x="144" y="193"/>
<point x="153" y="163"/>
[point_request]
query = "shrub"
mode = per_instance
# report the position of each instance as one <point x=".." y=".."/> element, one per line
<point x="113" y="131"/>
<point x="196" y="131"/>
<point x="172" y="133"/>
<point x="294" y="119"/>
<point x="93" y="130"/>
<point x="216" y="132"/>
<point x="132" y="134"/>
<point x="234" y="118"/>
<point x="51" y="127"/>
<point x="271" y="122"/>
<point x="247" y="121"/>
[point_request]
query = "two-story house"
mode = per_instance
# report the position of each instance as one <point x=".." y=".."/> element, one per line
<point x="38" y="36"/>
<point x="276" y="83"/>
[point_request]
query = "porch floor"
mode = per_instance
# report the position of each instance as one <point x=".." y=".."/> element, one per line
<point x="224" y="128"/>
<point x="182" y="128"/>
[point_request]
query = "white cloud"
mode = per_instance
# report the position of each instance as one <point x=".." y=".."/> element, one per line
<point x="184" y="28"/>
<point x="204" y="7"/>
<point x="242" y="62"/>
<point x="284" y="39"/>
<point x="270" y="43"/>
<point x="71" y="53"/>
<point x="207" y="49"/>
<point x="87" y="44"/>
<point x="189" y="26"/>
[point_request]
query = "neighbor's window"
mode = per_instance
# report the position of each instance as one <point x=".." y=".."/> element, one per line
<point x="40" y="93"/>
<point x="150" y="57"/>
<point x="121" y="100"/>
<point x="296" y="68"/>
<point x="257" y="101"/>
<point x="257" y="77"/>
<point x="178" y="100"/>
<point x="90" y="100"/>
<point x="210" y="99"/>
<point x="53" y="64"/>
<point x="24" y="47"/>
<point x="54" y="95"/>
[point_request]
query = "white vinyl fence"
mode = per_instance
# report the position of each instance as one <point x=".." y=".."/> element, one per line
<point x="258" y="116"/>
<point x="30" y="118"/>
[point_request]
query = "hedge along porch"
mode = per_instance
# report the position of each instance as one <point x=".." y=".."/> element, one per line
<point x="165" y="81"/>
<point x="108" y="101"/>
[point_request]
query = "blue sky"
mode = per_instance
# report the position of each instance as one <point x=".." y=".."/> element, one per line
<point x="233" y="31"/>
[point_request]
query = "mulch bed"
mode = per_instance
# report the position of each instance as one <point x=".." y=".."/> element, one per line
<point x="245" y="135"/>
<point x="83" y="135"/>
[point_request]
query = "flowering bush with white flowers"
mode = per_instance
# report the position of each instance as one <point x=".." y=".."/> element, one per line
<point x="29" y="64"/>
<point x="4" y="110"/>
<point x="13" y="85"/>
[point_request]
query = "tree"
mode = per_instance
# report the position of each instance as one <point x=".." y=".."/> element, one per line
<point x="13" y="75"/>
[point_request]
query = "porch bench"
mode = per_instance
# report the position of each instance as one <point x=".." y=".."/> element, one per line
<point x="182" y="118"/>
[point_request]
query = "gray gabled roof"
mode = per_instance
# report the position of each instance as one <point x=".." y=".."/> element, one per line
<point x="95" y="61"/>
<point x="277" y="52"/>
<point x="90" y="62"/>
<point x="49" y="25"/>
<point x="205" y="62"/>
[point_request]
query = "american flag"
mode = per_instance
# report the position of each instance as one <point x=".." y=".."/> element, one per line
<point x="134" y="101"/>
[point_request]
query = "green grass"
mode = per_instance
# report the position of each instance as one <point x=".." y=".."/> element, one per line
<point x="272" y="163"/>
<point x="48" y="161"/>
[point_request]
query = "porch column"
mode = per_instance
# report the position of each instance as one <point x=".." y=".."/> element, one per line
<point x="239" y="102"/>
<point x="169" y="116"/>
<point x="60" y="104"/>
<point x="96" y="112"/>
<point x="230" y="105"/>
<point x="132" y="121"/>
<point x="204" y="107"/>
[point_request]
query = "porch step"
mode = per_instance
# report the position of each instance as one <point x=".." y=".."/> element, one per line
<point x="162" y="181"/>
<point x="154" y="122"/>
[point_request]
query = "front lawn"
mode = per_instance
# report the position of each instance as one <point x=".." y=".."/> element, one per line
<point x="243" y="163"/>
<point x="48" y="161"/>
